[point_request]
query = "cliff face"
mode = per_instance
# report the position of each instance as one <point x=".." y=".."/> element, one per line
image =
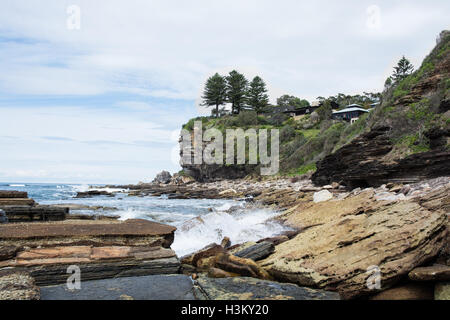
<point x="409" y="133"/>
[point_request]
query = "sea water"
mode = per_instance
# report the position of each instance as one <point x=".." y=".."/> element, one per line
<point x="199" y="222"/>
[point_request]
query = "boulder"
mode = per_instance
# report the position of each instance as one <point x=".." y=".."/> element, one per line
<point x="208" y="251"/>
<point x="163" y="177"/>
<point x="257" y="251"/>
<point x="442" y="291"/>
<point x="321" y="196"/>
<point x="241" y="288"/>
<point x="17" y="286"/>
<point x="240" y="266"/>
<point x="433" y="273"/>
<point x="348" y="237"/>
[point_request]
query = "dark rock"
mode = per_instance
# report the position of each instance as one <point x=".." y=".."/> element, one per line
<point x="219" y="273"/>
<point x="155" y="287"/>
<point x="275" y="240"/>
<point x="3" y="217"/>
<point x="8" y="252"/>
<point x="239" y="288"/>
<point x="92" y="193"/>
<point x="257" y="252"/>
<point x="35" y="213"/>
<point x="163" y="177"/>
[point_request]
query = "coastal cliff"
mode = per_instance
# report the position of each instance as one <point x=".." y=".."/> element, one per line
<point x="409" y="135"/>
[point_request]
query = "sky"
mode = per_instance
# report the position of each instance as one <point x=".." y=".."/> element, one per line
<point x="96" y="91"/>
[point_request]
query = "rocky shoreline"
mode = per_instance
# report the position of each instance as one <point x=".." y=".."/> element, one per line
<point x="339" y="235"/>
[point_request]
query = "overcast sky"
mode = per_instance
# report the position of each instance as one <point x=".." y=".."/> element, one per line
<point x="103" y="103"/>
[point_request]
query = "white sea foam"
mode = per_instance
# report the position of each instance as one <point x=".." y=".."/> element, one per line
<point x="245" y="225"/>
<point x="17" y="185"/>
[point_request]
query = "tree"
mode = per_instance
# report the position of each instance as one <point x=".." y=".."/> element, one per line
<point x="286" y="101"/>
<point x="403" y="69"/>
<point x="388" y="83"/>
<point x="215" y="92"/>
<point x="257" y="97"/>
<point x="236" y="90"/>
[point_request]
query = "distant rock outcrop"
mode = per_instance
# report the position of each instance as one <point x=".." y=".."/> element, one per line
<point x="163" y="177"/>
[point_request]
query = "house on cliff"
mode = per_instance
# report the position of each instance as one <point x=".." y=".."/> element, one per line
<point x="350" y="114"/>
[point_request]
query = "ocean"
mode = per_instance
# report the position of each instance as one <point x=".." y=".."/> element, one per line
<point x="199" y="222"/>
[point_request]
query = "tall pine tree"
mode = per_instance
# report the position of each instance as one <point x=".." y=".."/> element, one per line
<point x="403" y="69"/>
<point x="257" y="97"/>
<point x="215" y="92"/>
<point x="236" y="90"/>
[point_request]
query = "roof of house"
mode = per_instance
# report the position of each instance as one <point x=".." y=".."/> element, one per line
<point x="350" y="109"/>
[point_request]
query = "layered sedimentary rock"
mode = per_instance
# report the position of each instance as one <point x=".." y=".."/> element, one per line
<point x="360" y="163"/>
<point x="100" y="249"/>
<point x="350" y="239"/>
<point x="19" y="208"/>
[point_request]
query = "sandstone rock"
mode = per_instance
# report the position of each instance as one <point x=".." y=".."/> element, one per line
<point x="219" y="273"/>
<point x="257" y="251"/>
<point x="209" y="251"/>
<point x="8" y="194"/>
<point x="16" y="202"/>
<point x="349" y="236"/>
<point x="239" y="288"/>
<point x="433" y="273"/>
<point x="95" y="233"/>
<point x="323" y="195"/>
<point x="406" y="292"/>
<point x="163" y="177"/>
<point x="240" y="266"/>
<point x="17" y="286"/>
<point x="442" y="291"/>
